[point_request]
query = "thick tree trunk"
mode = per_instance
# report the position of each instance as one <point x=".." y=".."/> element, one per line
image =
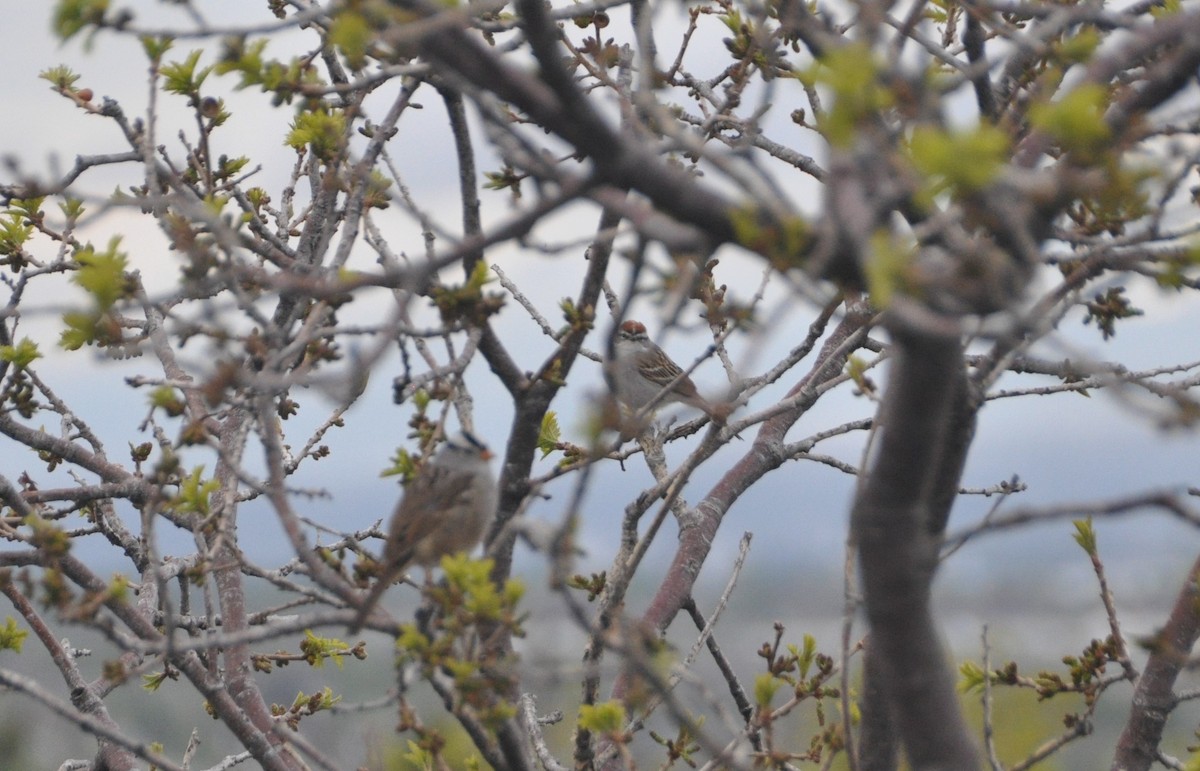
<point x="925" y="428"/>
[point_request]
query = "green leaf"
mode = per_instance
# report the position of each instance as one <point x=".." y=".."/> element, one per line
<point x="156" y="47"/>
<point x="182" y="77"/>
<point x="805" y="657"/>
<point x="237" y="56"/>
<point x="73" y="16"/>
<point x="323" y="132"/>
<point x="473" y="579"/>
<point x="1177" y="268"/>
<point x="418" y="756"/>
<point x="317" y="649"/>
<point x="314" y="702"/>
<point x="1077" y="119"/>
<point x="781" y="242"/>
<point x="12" y="637"/>
<point x="194" y="493"/>
<point x="20" y="355"/>
<point x="152" y="682"/>
<point x="412" y="639"/>
<point x="402" y="465"/>
<point x="167" y="399"/>
<point x="1079" y="48"/>
<point x="60" y="77"/>
<point x="607" y="717"/>
<point x="1085" y="535"/>
<point x="1168" y="8"/>
<point x="118" y="588"/>
<point x="14" y="233"/>
<point x="228" y="167"/>
<point x="964" y="160"/>
<point x="102" y="274"/>
<point x="80" y="331"/>
<point x="376" y="195"/>
<point x="852" y="73"/>
<point x="72" y="208"/>
<point x="351" y="34"/>
<point x="47" y="537"/>
<point x="455" y="302"/>
<point x="972" y="677"/>
<point x="765" y="686"/>
<point x="548" y="434"/>
<point x="480" y="276"/>
<point x="504" y="179"/>
<point x="856" y="368"/>
<point x="258" y="197"/>
<point x="31" y="208"/>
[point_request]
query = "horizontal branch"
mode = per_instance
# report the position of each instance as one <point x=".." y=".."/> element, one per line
<point x="86" y="722"/>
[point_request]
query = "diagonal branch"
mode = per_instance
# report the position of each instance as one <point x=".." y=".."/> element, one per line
<point x="1154" y="697"/>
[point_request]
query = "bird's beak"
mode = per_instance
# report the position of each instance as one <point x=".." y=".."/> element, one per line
<point x="486" y="454"/>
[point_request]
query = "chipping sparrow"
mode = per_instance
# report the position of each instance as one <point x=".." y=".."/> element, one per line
<point x="640" y="371"/>
<point x="444" y="510"/>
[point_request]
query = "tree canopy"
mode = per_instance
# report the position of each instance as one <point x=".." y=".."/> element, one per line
<point x="902" y="205"/>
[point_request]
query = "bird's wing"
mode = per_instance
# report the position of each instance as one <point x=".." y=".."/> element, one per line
<point x="422" y="509"/>
<point x="417" y="515"/>
<point x="664" y="371"/>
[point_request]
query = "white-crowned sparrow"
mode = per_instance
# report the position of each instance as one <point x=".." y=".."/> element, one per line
<point x="640" y="371"/>
<point x="444" y="510"/>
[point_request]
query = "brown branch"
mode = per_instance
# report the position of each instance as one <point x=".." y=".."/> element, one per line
<point x="1154" y="698"/>
<point x="86" y="699"/>
<point x="1169" y="502"/>
<point x="104" y="730"/>
<point x="896" y="522"/>
<point x="973" y="42"/>
<point x="268" y="755"/>
<point x="696" y="533"/>
<point x="535" y="400"/>
<point x="624" y="164"/>
<point x="227" y="577"/>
